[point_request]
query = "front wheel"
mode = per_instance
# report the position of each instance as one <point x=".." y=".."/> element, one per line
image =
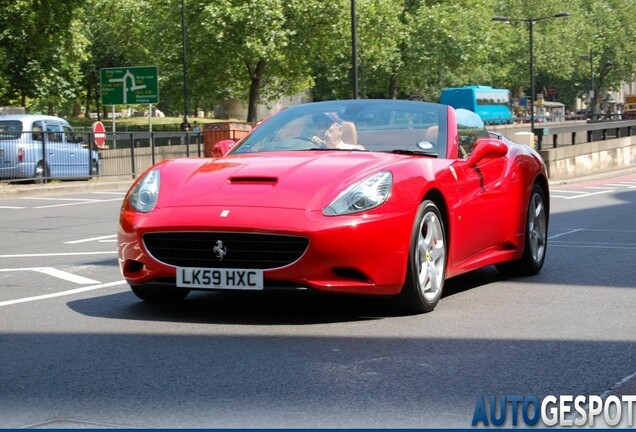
<point x="158" y="294"/>
<point x="536" y="239"/>
<point x="427" y="261"/>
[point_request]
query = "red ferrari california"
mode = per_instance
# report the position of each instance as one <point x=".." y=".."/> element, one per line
<point x="367" y="197"/>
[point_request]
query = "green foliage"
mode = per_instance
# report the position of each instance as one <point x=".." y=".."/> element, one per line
<point x="255" y="51"/>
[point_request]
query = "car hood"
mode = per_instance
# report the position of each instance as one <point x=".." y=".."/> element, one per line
<point x="299" y="180"/>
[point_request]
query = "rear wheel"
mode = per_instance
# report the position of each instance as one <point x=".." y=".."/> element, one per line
<point x="427" y="261"/>
<point x="536" y="239"/>
<point x="41" y="173"/>
<point x="94" y="168"/>
<point x="159" y="294"/>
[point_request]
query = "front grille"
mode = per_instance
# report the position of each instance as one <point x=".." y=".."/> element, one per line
<point x="238" y="250"/>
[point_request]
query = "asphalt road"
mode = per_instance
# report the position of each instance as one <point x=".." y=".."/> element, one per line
<point x="79" y="350"/>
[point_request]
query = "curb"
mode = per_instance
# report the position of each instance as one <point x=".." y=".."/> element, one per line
<point x="9" y="191"/>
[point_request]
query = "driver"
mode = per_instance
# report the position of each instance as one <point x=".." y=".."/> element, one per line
<point x="328" y="127"/>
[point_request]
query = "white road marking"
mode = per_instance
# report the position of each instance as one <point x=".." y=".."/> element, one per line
<point x="110" y="193"/>
<point x="77" y="203"/>
<point x="565" y="233"/>
<point x="61" y="293"/>
<point x="594" y="245"/>
<point x="11" y="207"/>
<point x="60" y="274"/>
<point x="59" y="199"/>
<point x="585" y="195"/>
<point x="91" y="239"/>
<point x="57" y="254"/>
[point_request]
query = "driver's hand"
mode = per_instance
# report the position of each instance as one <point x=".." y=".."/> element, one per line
<point x="318" y="141"/>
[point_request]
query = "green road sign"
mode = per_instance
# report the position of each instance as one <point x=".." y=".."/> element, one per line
<point x="129" y="85"/>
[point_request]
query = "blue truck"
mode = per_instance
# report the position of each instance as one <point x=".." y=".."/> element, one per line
<point x="492" y="105"/>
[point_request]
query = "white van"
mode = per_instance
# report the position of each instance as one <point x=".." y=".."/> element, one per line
<point x="40" y="146"/>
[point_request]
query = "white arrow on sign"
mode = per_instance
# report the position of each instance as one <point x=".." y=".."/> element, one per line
<point x="133" y="84"/>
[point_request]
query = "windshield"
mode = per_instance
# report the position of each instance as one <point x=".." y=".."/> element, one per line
<point x="361" y="125"/>
<point x="492" y="98"/>
<point x="10" y="129"/>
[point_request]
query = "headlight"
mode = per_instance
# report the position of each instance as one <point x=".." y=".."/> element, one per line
<point x="146" y="193"/>
<point x="364" y="195"/>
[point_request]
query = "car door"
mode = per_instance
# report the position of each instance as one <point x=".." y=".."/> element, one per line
<point x="78" y="157"/>
<point x="481" y="178"/>
<point x="486" y="191"/>
<point x="54" y="147"/>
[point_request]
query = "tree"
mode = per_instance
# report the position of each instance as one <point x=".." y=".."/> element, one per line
<point x="265" y="47"/>
<point x="450" y="45"/>
<point x="43" y="48"/>
<point x="117" y="32"/>
<point x="610" y="34"/>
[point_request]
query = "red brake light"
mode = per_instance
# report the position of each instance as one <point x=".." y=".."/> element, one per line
<point x="20" y="154"/>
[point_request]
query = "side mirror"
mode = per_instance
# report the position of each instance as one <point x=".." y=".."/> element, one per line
<point x="222" y="147"/>
<point x="486" y="148"/>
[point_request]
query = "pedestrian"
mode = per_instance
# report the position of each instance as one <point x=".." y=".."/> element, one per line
<point x="185" y="126"/>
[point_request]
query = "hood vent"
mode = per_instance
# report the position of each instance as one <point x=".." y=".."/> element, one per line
<point x="253" y="180"/>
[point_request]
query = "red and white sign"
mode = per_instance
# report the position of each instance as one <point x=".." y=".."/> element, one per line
<point x="100" y="134"/>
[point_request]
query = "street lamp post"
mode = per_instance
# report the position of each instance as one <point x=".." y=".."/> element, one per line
<point x="185" y="63"/>
<point x="592" y="91"/>
<point x="531" y="22"/>
<point x="354" y="49"/>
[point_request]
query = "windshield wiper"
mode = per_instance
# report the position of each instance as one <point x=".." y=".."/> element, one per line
<point x="413" y="152"/>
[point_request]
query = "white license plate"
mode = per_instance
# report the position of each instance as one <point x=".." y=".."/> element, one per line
<point x="214" y="278"/>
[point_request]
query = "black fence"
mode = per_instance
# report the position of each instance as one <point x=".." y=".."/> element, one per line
<point x="44" y="156"/>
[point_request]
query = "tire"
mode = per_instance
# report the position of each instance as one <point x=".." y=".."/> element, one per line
<point x="159" y="294"/>
<point x="94" y="168"/>
<point x="535" y="241"/>
<point x="426" y="268"/>
<point x="41" y="173"/>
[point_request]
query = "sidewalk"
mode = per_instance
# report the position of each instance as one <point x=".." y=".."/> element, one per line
<point x="55" y="187"/>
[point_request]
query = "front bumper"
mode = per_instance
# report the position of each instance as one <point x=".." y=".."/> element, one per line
<point x="358" y="254"/>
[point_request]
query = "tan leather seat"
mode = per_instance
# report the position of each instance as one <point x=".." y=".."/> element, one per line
<point x="431" y="134"/>
<point x="349" y="133"/>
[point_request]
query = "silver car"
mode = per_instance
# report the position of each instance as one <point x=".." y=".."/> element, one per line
<point x="41" y="147"/>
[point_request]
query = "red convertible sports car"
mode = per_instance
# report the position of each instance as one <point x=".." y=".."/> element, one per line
<point x="368" y="197"/>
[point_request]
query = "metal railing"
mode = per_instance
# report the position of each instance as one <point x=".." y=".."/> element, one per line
<point x="574" y="134"/>
<point x="27" y="157"/>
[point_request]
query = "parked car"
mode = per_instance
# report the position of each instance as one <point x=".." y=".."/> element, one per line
<point x="372" y="197"/>
<point x="41" y="146"/>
